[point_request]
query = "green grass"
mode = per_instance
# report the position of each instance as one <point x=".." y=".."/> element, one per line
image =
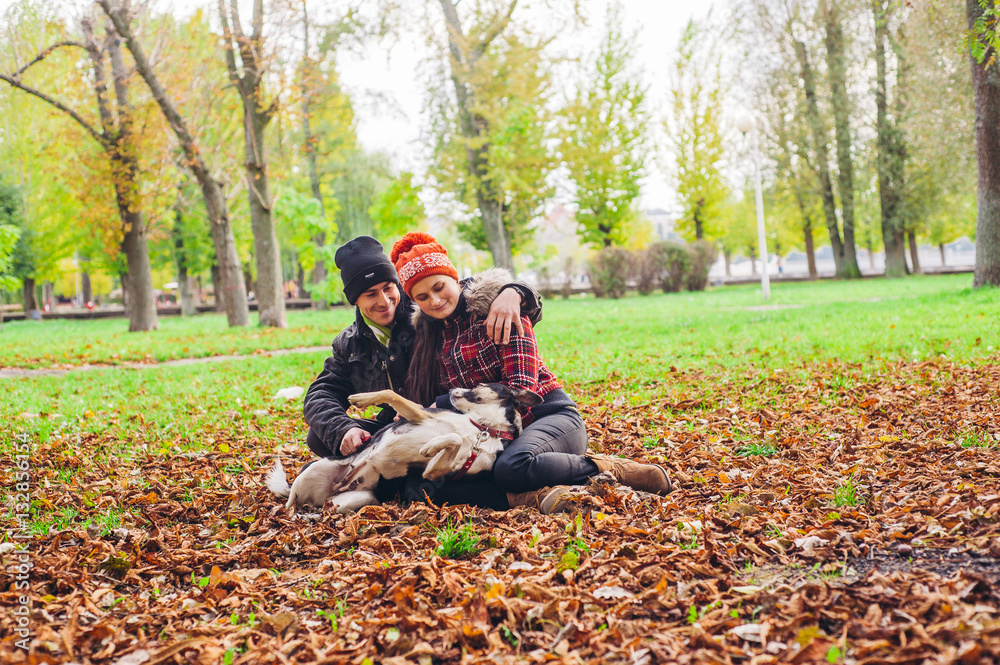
<point x="846" y="494"/>
<point x="600" y="349"/>
<point x="643" y="337"/>
<point x="43" y="344"/>
<point x="977" y="440"/>
<point x="756" y="449"/>
<point x="456" y="542"/>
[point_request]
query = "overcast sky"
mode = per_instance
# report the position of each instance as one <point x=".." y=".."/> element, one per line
<point x="393" y="74"/>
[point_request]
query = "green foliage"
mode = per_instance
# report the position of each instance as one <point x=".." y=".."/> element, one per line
<point x="696" y="133"/>
<point x="8" y="241"/>
<point x="604" y="140"/>
<point x="609" y="272"/>
<point x="397" y="209"/>
<point x="457" y="542"/>
<point x="300" y="222"/>
<point x="505" y="130"/>
<point x="983" y="38"/>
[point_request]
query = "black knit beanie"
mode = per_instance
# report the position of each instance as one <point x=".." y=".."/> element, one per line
<point x="363" y="264"/>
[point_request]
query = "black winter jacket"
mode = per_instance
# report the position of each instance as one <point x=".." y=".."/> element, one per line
<point x="360" y="364"/>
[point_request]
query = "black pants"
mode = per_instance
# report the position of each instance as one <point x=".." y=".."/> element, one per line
<point x="548" y="452"/>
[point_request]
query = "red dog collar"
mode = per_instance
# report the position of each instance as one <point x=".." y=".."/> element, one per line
<point x="496" y="433"/>
<point x="488" y="431"/>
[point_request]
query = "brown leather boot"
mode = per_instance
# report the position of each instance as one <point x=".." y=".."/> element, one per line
<point x="643" y="477"/>
<point x="548" y="500"/>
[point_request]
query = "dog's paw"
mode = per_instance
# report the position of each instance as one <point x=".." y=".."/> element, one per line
<point x="363" y="400"/>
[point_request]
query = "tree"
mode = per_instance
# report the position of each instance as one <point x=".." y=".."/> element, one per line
<point x="247" y="75"/>
<point x="10" y="233"/>
<point x="891" y="159"/>
<point x="836" y="64"/>
<point x="485" y="73"/>
<point x="984" y="44"/>
<point x="397" y="209"/>
<point x="604" y="140"/>
<point x="115" y="133"/>
<point x="696" y="133"/>
<point x="820" y="149"/>
<point x="233" y="292"/>
<point x="940" y="187"/>
<point x="300" y="220"/>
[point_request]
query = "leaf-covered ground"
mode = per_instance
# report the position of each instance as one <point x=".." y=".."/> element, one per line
<point x="834" y="513"/>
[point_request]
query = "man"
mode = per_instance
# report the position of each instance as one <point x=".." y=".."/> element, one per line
<point x="374" y="352"/>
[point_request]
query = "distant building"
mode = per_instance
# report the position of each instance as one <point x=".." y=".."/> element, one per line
<point x="664" y="224"/>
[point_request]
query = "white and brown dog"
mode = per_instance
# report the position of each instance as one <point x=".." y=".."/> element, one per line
<point x="440" y="441"/>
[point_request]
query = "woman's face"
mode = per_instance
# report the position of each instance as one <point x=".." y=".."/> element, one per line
<point x="436" y="295"/>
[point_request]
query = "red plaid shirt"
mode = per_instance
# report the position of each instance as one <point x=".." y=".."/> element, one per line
<point x="469" y="357"/>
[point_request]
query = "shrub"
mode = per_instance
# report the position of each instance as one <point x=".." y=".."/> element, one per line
<point x="609" y="272"/>
<point x="702" y="258"/>
<point x="647" y="269"/>
<point x="674" y="260"/>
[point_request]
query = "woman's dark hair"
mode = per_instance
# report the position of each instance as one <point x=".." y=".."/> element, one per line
<point x="423" y="379"/>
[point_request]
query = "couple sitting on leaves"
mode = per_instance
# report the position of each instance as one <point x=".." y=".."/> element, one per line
<point x="465" y="333"/>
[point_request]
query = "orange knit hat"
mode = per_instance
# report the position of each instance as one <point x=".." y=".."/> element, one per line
<point x="419" y="255"/>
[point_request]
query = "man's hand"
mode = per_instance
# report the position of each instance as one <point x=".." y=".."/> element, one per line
<point x="353" y="440"/>
<point x="505" y="314"/>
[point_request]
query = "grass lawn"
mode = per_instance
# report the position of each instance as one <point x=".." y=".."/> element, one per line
<point x="835" y="452"/>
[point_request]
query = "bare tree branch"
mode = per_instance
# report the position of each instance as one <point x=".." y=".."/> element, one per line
<point x="498" y="25"/>
<point x="59" y="105"/>
<point x="41" y="56"/>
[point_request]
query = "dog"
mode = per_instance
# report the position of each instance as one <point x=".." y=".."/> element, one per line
<point x="440" y="441"/>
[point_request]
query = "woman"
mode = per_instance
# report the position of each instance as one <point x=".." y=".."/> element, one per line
<point x="452" y="350"/>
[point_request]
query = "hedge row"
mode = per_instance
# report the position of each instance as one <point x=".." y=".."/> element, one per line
<point x="671" y="266"/>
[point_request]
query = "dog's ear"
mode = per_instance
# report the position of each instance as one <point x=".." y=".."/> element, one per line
<point x="525" y="398"/>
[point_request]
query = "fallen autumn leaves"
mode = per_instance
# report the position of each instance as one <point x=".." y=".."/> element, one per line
<point x="815" y="521"/>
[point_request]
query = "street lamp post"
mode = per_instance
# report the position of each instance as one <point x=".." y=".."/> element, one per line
<point x="745" y="123"/>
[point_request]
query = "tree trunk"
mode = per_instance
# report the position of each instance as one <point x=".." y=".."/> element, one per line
<point x="911" y="236"/>
<point x="941" y="249"/>
<point x="184" y="280"/>
<point x="986" y="82"/>
<point x="141" y="305"/>
<point x="699" y="224"/>
<point x="728" y="256"/>
<point x="86" y="291"/>
<point x="220" y="294"/>
<point x="821" y="150"/>
<point x="28" y="294"/>
<point x="48" y="297"/>
<point x="810" y="247"/>
<point x="270" y="294"/>
<point x="834" y="39"/>
<point x="247" y="77"/>
<point x="248" y="280"/>
<point x="230" y="275"/>
<point x="893" y="232"/>
<point x="871" y="256"/>
<point x="319" y="269"/>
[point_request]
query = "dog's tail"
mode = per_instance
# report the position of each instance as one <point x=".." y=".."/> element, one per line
<point x="277" y="482"/>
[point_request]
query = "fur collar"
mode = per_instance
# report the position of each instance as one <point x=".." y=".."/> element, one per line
<point x="479" y="292"/>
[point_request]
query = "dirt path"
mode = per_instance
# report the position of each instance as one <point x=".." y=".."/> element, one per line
<point x="18" y="372"/>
